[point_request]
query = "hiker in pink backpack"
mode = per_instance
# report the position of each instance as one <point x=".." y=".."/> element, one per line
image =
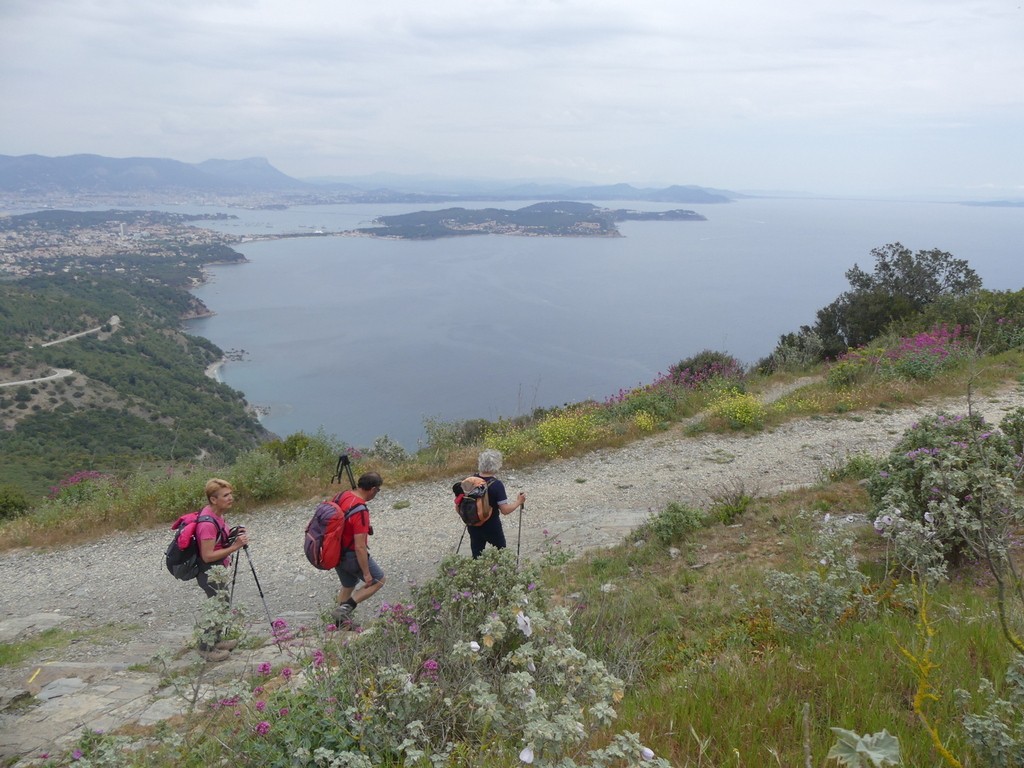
<point x="356" y="563"/>
<point x="215" y="548"/>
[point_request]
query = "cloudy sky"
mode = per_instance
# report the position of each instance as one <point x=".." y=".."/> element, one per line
<point x="865" y="97"/>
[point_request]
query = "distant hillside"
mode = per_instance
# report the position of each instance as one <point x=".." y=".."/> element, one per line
<point x="35" y="174"/>
<point x="36" y="179"/>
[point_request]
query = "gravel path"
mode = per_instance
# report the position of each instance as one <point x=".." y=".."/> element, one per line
<point x="584" y="502"/>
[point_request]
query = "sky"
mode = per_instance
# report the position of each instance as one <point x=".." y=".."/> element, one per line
<point x="847" y="97"/>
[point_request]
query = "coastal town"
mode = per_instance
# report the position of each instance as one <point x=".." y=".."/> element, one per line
<point x="53" y="241"/>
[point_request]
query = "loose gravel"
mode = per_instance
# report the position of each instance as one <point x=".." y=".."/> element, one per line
<point x="581" y="503"/>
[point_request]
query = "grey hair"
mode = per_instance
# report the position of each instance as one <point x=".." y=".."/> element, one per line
<point x="489" y="461"/>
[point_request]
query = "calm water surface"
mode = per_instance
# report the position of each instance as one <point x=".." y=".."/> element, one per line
<point x="368" y="337"/>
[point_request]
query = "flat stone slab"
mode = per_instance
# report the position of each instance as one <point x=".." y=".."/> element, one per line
<point x="15" y="629"/>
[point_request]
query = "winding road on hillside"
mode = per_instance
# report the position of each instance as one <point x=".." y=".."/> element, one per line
<point x="59" y="373"/>
<point x="117" y="588"/>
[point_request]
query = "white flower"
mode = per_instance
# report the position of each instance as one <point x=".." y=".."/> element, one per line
<point x="474" y="646"/>
<point x="526" y="755"/>
<point x="647" y="753"/>
<point x="531" y="666"/>
<point x="824" y="561"/>
<point x="531" y="694"/>
<point x="524" y="623"/>
<point x="929" y="517"/>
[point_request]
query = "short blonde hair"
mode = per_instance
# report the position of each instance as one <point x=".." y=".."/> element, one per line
<point x="215" y="484"/>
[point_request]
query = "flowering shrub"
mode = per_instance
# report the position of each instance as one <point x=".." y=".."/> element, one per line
<point x="511" y="439"/>
<point x="644" y="421"/>
<point x="705" y="369"/>
<point x="81" y="487"/>
<point x="946" y="489"/>
<point x="740" y="409"/>
<point x="917" y="358"/>
<point x="923" y="356"/>
<point x="567" y="429"/>
<point x="477" y="660"/>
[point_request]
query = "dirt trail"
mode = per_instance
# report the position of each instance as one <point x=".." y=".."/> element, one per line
<point x="583" y="502"/>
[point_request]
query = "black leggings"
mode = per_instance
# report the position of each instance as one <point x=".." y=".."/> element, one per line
<point x="203" y="580"/>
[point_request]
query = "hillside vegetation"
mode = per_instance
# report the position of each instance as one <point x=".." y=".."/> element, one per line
<point x="137" y="393"/>
<point x="874" y="620"/>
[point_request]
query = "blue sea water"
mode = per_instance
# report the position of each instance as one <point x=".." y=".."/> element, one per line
<point x="365" y="337"/>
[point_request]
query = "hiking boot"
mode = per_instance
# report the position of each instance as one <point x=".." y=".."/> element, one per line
<point x="226" y="645"/>
<point x="214" y="654"/>
<point x="342" y="614"/>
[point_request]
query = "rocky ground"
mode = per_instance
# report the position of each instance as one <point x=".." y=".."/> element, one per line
<point x="117" y="589"/>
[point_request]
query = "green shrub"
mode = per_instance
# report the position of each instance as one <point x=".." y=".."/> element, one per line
<point x="858" y="466"/>
<point x="729" y="504"/>
<point x="257" y="474"/>
<point x="672" y="524"/>
<point x="816" y="599"/>
<point x="172" y="495"/>
<point x="13" y="501"/>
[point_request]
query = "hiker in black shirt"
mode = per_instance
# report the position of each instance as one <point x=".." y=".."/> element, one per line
<point x="491" y="532"/>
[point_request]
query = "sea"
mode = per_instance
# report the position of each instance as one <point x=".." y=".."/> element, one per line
<point x="362" y="337"/>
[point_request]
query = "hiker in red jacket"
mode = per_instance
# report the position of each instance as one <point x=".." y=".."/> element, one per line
<point x="356" y="563"/>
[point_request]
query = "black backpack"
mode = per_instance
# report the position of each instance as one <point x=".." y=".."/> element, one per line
<point x="184" y="562"/>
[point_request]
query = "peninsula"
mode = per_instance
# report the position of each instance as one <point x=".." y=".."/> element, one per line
<point x="556" y="219"/>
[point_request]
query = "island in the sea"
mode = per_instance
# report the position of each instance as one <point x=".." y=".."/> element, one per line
<point x="556" y="219"/>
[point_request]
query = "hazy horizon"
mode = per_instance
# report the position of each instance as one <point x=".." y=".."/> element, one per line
<point x="869" y="98"/>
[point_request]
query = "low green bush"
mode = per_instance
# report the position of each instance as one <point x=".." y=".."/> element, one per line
<point x="257" y="475"/>
<point x="13" y="501"/>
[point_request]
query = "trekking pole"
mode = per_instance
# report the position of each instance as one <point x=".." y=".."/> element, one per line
<point x="234" y="576"/>
<point x="264" y="599"/>
<point x="460" y="539"/>
<point x="519" y="541"/>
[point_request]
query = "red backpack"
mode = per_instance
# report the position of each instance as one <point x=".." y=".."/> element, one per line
<point x="325" y="530"/>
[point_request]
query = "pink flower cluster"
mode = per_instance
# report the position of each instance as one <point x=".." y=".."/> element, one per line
<point x="79" y="477"/>
<point x="939" y="342"/>
<point x="398" y="615"/>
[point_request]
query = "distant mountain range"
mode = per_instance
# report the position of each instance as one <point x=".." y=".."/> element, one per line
<point x="95" y="175"/>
